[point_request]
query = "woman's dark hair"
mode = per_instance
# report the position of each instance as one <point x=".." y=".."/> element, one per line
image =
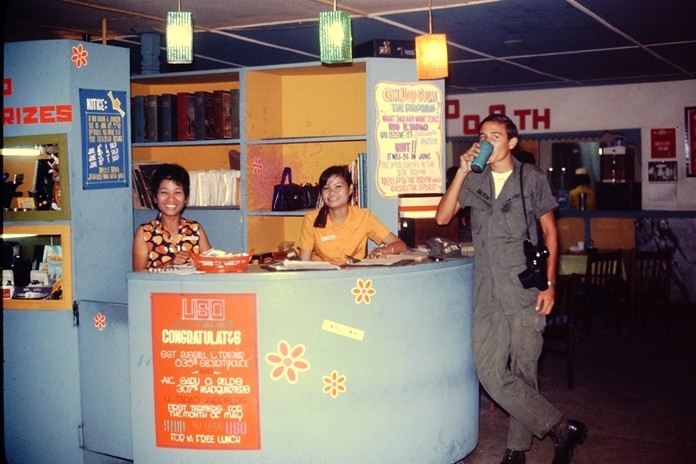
<point x="173" y="172"/>
<point x="330" y="173"/>
<point x="510" y="126"/>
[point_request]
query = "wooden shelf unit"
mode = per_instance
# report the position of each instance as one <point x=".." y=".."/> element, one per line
<point x="307" y="117"/>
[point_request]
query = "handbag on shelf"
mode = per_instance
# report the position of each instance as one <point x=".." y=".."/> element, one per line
<point x="310" y="195"/>
<point x="287" y="196"/>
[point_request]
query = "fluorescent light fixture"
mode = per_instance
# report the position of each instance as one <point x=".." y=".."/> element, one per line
<point x="179" y="37"/>
<point x="12" y="236"/>
<point x="335" y="40"/>
<point x="21" y="151"/>
<point x="431" y="52"/>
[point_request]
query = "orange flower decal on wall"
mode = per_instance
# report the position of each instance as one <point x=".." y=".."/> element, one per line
<point x="334" y="384"/>
<point x="79" y="56"/>
<point x="363" y="291"/>
<point x="100" y="321"/>
<point x="257" y="165"/>
<point x="287" y="362"/>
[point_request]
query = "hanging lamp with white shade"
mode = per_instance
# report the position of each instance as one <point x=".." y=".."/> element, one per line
<point x="179" y="36"/>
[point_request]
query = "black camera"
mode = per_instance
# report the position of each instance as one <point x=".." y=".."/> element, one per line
<point x="535" y="274"/>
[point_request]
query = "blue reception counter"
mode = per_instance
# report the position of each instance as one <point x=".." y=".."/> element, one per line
<point x="361" y="365"/>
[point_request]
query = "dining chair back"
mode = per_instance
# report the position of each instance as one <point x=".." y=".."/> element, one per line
<point x="603" y="287"/>
<point x="559" y="334"/>
<point x="649" y="281"/>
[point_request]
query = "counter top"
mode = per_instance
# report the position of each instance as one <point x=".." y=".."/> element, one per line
<point x="257" y="272"/>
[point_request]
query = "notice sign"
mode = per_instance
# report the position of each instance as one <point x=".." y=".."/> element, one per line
<point x="104" y="128"/>
<point x="205" y="371"/>
<point x="409" y="138"/>
<point x="663" y="143"/>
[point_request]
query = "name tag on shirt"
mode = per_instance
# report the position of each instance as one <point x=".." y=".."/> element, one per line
<point x="327" y="238"/>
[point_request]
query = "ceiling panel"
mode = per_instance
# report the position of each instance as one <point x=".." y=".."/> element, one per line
<point x="493" y="44"/>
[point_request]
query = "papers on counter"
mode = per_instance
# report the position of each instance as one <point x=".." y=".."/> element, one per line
<point x="389" y="260"/>
<point x="183" y="269"/>
<point x="293" y="265"/>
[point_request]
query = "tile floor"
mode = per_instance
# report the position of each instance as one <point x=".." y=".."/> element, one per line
<point x="636" y="393"/>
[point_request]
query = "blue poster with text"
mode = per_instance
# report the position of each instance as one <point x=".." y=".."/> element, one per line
<point x="105" y="118"/>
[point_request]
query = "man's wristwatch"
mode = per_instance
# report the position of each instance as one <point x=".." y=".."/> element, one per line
<point x="551" y="284"/>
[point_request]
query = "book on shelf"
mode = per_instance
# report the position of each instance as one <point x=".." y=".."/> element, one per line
<point x="234" y="112"/>
<point x="167" y="117"/>
<point x="362" y="161"/>
<point x="358" y="172"/>
<point x="222" y="114"/>
<point x="53" y="262"/>
<point x="152" y="118"/>
<point x="185" y="116"/>
<point x="204" y="116"/>
<point x="138" y="114"/>
<point x="142" y="173"/>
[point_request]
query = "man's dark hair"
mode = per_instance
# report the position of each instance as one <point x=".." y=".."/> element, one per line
<point x="510" y="126"/>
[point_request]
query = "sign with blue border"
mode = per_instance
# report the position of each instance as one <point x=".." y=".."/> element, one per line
<point x="105" y="158"/>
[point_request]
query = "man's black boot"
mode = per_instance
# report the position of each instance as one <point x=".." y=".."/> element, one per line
<point x="566" y="435"/>
<point x="513" y="457"/>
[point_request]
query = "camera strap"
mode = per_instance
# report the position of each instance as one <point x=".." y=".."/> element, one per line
<point x="540" y="240"/>
<point x="524" y="207"/>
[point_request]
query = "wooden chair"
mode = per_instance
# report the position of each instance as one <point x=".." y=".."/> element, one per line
<point x="649" y="281"/>
<point x="559" y="334"/>
<point x="602" y="287"/>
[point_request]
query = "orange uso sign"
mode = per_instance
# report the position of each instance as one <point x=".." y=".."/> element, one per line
<point x="205" y="370"/>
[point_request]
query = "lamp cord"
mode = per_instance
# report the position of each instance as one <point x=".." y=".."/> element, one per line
<point x="430" y="16"/>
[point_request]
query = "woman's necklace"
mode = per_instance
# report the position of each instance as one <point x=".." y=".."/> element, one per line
<point x="174" y="237"/>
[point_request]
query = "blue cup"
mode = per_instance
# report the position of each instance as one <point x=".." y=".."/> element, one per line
<point x="479" y="162"/>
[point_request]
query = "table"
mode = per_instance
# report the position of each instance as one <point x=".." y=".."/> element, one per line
<point x="576" y="263"/>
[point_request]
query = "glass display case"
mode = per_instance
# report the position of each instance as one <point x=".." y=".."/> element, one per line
<point x="33" y="188"/>
<point x="36" y="267"/>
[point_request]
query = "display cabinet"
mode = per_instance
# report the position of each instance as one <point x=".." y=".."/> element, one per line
<point x="36" y="208"/>
<point x="33" y="240"/>
<point x="33" y="189"/>
<point x="223" y="224"/>
<point x="303" y="116"/>
<point x="306" y="118"/>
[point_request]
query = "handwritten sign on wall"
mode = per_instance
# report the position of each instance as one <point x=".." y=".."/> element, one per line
<point x="205" y="371"/>
<point x="409" y="137"/>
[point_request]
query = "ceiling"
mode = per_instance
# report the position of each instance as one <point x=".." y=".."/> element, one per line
<point x="494" y="45"/>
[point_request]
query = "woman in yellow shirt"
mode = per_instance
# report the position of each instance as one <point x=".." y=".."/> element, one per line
<point x="338" y="229"/>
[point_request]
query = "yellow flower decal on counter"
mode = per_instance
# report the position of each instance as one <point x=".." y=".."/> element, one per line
<point x="287" y="362"/>
<point x="363" y="291"/>
<point x="334" y="384"/>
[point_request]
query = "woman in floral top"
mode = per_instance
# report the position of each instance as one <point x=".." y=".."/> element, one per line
<point x="169" y="239"/>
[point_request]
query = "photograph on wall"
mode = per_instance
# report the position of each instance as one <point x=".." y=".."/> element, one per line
<point x="690" y="138"/>
<point x="674" y="236"/>
<point x="104" y="129"/>
<point x="662" y="171"/>
<point x="663" y="143"/>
